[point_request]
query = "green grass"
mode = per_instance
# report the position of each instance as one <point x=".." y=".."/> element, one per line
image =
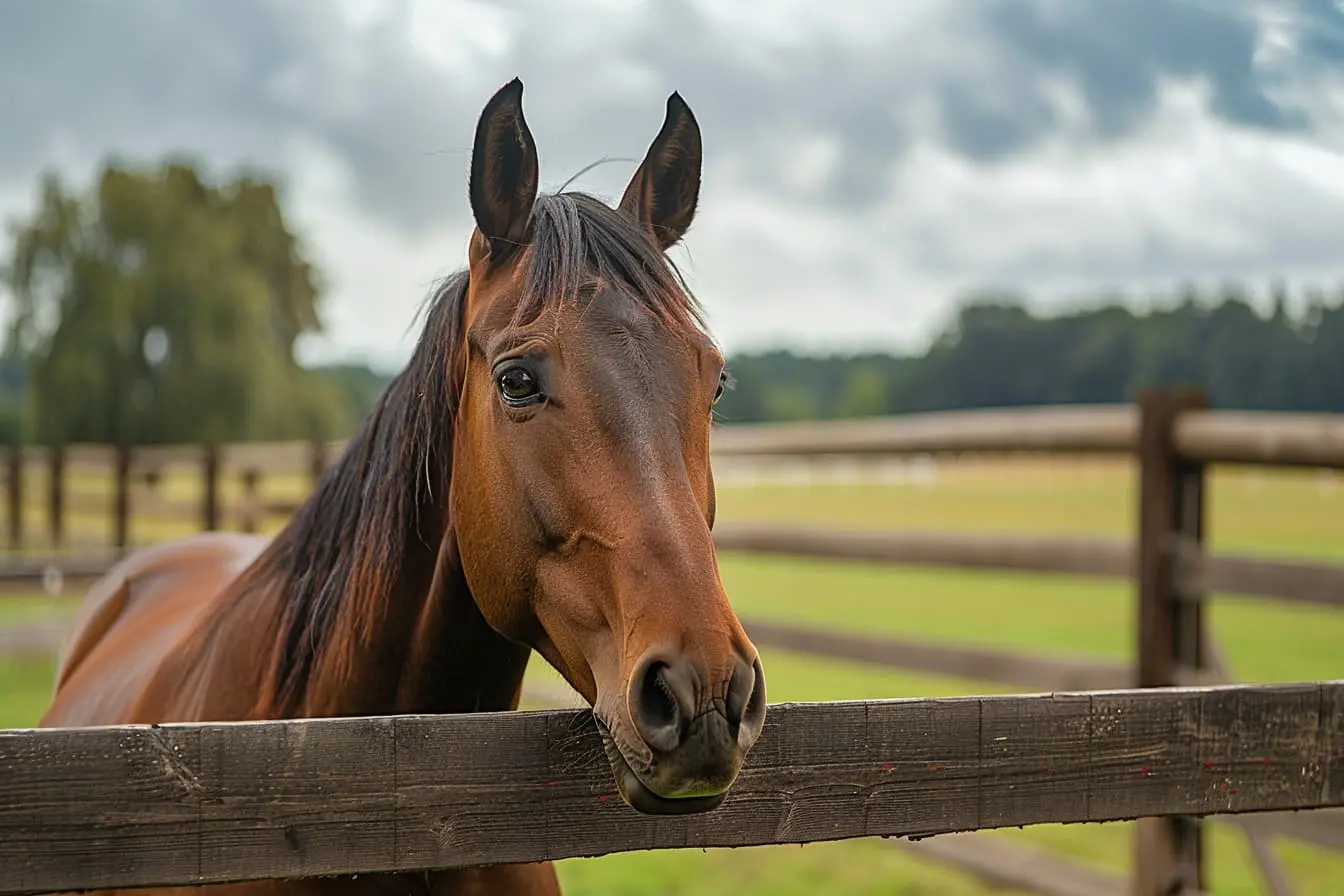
<point x="1289" y="513"/>
<point x="855" y="867"/>
<point x="27" y="688"/>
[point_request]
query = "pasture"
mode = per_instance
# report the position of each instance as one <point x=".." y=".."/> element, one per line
<point x="1269" y="512"/>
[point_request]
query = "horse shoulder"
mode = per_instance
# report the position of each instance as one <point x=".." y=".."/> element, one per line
<point x="159" y="589"/>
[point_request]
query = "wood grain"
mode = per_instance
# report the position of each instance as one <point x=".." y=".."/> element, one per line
<point x="184" y="804"/>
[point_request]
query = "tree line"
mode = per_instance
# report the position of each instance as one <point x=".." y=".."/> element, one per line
<point x="997" y="352"/>
<point x="160" y="305"/>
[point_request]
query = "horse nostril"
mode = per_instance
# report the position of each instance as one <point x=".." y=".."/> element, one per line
<point x="746" y="694"/>
<point x="660" y="704"/>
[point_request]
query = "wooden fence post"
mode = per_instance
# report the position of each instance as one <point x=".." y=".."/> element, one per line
<point x="210" y="487"/>
<point x="121" y="498"/>
<point x="14" y="490"/>
<point x="317" y="461"/>
<point x="252" y="511"/>
<point x="1169" y="854"/>
<point x="56" y="495"/>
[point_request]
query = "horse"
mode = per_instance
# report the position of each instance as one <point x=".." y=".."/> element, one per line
<point x="537" y="478"/>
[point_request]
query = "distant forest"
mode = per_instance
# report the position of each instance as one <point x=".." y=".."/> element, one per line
<point x="997" y="353"/>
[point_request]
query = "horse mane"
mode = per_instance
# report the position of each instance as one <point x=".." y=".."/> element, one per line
<point x="353" y="547"/>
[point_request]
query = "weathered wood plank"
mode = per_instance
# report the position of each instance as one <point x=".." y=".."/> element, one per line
<point x="1321" y="827"/>
<point x="183" y="804"/>
<point x="977" y="664"/>
<point x="1324" y="828"/>
<point x="1081" y="429"/>
<point x="1269" y="438"/>
<point x="1069" y="556"/>
<point x="1290" y="580"/>
<point x="298" y="814"/>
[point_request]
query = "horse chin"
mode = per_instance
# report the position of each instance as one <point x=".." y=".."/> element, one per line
<point x="638" y="796"/>
<point x="643" y="800"/>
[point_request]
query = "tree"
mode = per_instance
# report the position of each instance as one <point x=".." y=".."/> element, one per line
<point x="159" y="307"/>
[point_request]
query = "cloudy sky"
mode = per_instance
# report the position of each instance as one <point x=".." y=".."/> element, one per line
<point x="866" y="160"/>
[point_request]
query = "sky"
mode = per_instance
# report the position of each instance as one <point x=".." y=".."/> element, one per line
<point x="867" y="162"/>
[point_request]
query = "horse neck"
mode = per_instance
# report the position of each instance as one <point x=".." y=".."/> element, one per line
<point x="429" y="650"/>
<point x="397" y="630"/>
<point x="456" y="662"/>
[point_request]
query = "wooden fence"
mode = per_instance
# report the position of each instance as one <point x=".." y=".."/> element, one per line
<point x="200" y="803"/>
<point x="1174" y="441"/>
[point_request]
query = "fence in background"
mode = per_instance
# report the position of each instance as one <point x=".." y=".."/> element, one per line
<point x="1174" y="440"/>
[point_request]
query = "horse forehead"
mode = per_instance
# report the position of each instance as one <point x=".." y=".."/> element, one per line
<point x="619" y="339"/>
<point x="611" y="307"/>
<point x="604" y="334"/>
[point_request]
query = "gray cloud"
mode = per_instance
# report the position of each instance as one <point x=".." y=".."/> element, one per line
<point x="231" y="83"/>
<point x="1117" y="52"/>
<point x="238" y="81"/>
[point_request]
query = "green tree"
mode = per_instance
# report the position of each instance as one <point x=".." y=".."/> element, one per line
<point x="159" y="307"/>
<point x="864" y="393"/>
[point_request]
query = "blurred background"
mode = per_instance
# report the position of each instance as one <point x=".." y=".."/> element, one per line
<point x="223" y="220"/>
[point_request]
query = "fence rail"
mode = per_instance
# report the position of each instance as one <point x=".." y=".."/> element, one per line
<point x="1265" y="439"/>
<point x="1105" y="429"/>
<point x="199" y="803"/>
<point x="1197" y="572"/>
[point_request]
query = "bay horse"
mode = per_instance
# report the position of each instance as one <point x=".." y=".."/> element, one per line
<point x="536" y="478"/>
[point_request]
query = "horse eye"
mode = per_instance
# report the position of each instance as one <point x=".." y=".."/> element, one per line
<point x="723" y="383"/>
<point x="517" y="385"/>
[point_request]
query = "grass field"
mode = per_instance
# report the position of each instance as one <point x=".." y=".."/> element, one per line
<point x="1263" y="512"/>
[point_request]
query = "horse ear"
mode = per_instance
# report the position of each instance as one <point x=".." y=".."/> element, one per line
<point x="503" y="184"/>
<point x="665" y="189"/>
